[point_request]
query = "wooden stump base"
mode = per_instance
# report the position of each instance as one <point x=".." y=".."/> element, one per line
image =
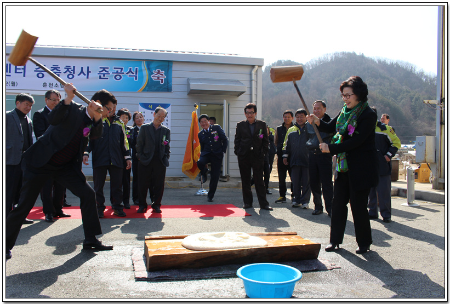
<point x="166" y="252"/>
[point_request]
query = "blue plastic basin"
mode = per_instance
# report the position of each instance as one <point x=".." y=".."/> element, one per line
<point x="269" y="280"/>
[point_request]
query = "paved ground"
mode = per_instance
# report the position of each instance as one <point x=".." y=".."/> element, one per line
<point x="407" y="260"/>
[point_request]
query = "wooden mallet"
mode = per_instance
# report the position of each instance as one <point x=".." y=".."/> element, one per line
<point x="292" y="73"/>
<point x="21" y="53"/>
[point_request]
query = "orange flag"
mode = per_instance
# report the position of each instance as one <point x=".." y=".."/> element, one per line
<point x="192" y="153"/>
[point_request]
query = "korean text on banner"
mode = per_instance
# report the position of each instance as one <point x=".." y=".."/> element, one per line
<point x="192" y="153"/>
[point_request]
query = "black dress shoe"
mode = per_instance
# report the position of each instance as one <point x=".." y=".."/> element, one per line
<point x="156" y="210"/>
<point x="28" y="221"/>
<point x="362" y="249"/>
<point x="210" y="200"/>
<point x="373" y="217"/>
<point x="8" y="254"/>
<point x="95" y="245"/>
<point x="317" y="212"/>
<point x="387" y="220"/>
<point x="142" y="210"/>
<point x="119" y="213"/>
<point x="49" y="218"/>
<point x="65" y="204"/>
<point x="62" y="214"/>
<point x="332" y="247"/>
<point x="247" y="206"/>
<point x="267" y="208"/>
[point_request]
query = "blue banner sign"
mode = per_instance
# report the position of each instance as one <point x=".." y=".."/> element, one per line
<point x="92" y="75"/>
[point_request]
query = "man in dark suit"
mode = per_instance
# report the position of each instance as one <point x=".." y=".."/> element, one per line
<point x="213" y="143"/>
<point x="52" y="194"/>
<point x="153" y="152"/>
<point x="57" y="155"/>
<point x="251" y="143"/>
<point x="19" y="138"/>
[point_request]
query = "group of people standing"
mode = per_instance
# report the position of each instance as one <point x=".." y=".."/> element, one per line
<point x="68" y="132"/>
<point x="363" y="148"/>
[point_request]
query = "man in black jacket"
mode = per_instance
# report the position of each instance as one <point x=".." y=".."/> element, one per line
<point x="108" y="155"/>
<point x="321" y="165"/>
<point x="57" y="155"/>
<point x="153" y="152"/>
<point x="52" y="194"/>
<point x="288" y="117"/>
<point x="296" y="155"/>
<point x="251" y="144"/>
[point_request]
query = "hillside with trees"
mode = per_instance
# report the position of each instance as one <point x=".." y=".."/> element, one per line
<point x="395" y="88"/>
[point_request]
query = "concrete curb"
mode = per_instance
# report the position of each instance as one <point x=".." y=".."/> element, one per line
<point x="423" y="195"/>
<point x="184" y="182"/>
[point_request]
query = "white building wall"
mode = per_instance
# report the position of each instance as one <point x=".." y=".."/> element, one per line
<point x="182" y="106"/>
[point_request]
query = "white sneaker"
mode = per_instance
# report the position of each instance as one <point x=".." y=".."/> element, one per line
<point x="305" y="206"/>
<point x="295" y="205"/>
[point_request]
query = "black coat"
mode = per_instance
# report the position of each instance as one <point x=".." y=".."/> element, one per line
<point x="245" y="142"/>
<point x="360" y="149"/>
<point x="40" y="122"/>
<point x="65" y="121"/>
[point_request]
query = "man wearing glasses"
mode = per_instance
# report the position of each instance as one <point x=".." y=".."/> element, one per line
<point x="52" y="194"/>
<point x="251" y="144"/>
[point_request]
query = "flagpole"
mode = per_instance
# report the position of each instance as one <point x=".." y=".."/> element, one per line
<point x="201" y="191"/>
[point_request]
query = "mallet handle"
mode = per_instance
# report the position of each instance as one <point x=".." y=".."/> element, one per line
<point x="62" y="82"/>
<point x="307" y="111"/>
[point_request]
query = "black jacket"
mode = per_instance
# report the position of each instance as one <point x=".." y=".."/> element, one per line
<point x="40" y="122"/>
<point x="210" y="145"/>
<point x="246" y="143"/>
<point x="360" y="149"/>
<point x="110" y="148"/>
<point x="65" y="120"/>
<point x="281" y="134"/>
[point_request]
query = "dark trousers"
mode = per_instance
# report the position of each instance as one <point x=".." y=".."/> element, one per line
<point x="33" y="181"/>
<point x="268" y="162"/>
<point x="134" y="167"/>
<point x="151" y="178"/>
<point x="115" y="174"/>
<point x="216" y="165"/>
<point x="13" y="185"/>
<point x="381" y="194"/>
<point x="126" y="185"/>
<point x="282" y="174"/>
<point x="343" y="193"/>
<point x="320" y="179"/>
<point x="52" y="196"/>
<point x="247" y="163"/>
<point x="300" y="179"/>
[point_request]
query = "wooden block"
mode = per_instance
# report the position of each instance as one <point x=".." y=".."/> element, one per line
<point x="166" y="252"/>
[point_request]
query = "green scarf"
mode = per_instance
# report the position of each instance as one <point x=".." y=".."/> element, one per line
<point x="346" y="124"/>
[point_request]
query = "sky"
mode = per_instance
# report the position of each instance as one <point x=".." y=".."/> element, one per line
<point x="406" y="33"/>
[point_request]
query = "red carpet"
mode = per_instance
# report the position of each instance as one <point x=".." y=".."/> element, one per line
<point x="170" y="211"/>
